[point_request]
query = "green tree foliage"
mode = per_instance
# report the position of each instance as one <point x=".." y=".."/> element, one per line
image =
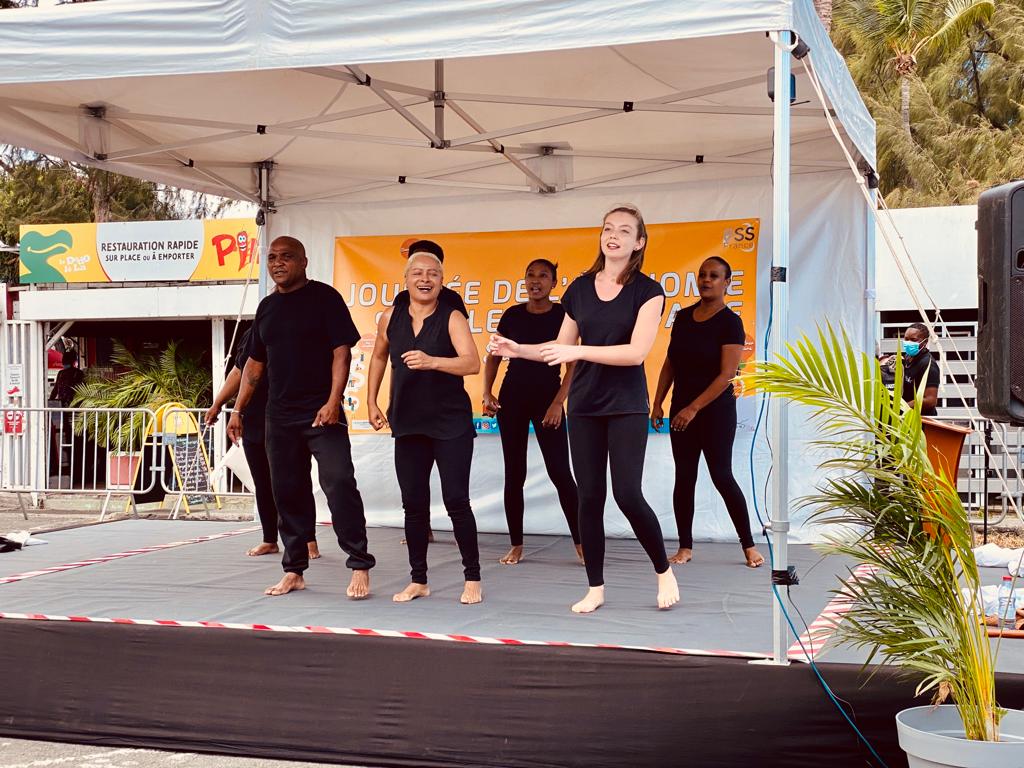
<point x="36" y="189"/>
<point x="949" y="110"/>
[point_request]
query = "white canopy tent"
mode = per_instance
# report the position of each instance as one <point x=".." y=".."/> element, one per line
<point x="413" y="116"/>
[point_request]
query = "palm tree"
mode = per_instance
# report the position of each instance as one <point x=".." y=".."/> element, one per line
<point x="146" y="382"/>
<point x="824" y="11"/>
<point x="901" y="30"/>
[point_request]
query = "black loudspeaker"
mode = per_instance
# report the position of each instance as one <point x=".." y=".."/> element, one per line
<point x="1000" y="381"/>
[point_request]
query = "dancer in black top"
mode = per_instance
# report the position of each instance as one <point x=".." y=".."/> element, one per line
<point x="703" y="356"/>
<point x="254" y="421"/>
<point x="615" y="310"/>
<point x="431" y="349"/>
<point x="302" y="337"/>
<point x="532" y="393"/>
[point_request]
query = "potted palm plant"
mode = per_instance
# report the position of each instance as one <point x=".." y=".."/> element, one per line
<point x="888" y="507"/>
<point x="140" y="381"/>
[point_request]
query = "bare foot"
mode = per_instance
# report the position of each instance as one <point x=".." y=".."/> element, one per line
<point x="514" y="556"/>
<point x="754" y="558"/>
<point x="263" y="548"/>
<point x="411" y="592"/>
<point x="472" y="593"/>
<point x="314" y="550"/>
<point x="668" y="589"/>
<point x="430" y="539"/>
<point x="579" y="554"/>
<point x="593" y="600"/>
<point x="289" y="583"/>
<point x="682" y="556"/>
<point x="359" y="587"/>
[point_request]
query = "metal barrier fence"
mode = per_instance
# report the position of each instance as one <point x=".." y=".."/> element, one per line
<point x="201" y="466"/>
<point x="990" y="484"/>
<point x="92" y="451"/>
<point x="135" y="452"/>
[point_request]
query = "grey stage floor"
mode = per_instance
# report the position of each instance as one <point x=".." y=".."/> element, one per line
<point x="725" y="606"/>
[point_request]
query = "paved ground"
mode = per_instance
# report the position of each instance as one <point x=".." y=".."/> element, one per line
<point x="15" y="753"/>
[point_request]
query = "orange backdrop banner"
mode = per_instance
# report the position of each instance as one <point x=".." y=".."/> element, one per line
<point x="487" y="270"/>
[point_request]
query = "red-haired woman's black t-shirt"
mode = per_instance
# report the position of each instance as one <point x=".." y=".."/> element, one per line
<point x="608" y="390"/>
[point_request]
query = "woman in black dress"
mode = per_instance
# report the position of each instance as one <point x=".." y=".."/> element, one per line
<point x="431" y="349"/>
<point x="703" y="356"/>
<point x="614" y="309"/>
<point x="532" y="393"/>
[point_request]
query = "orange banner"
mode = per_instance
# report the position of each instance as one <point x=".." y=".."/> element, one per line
<point x="487" y="270"/>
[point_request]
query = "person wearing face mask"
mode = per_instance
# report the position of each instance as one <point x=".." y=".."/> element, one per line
<point x="430" y="347"/>
<point x="532" y="393"/>
<point x="703" y="356"/>
<point x="918" y="366"/>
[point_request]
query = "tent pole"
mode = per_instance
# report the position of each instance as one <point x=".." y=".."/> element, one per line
<point x="263" y="222"/>
<point x="439" y="98"/>
<point x="778" y="409"/>
<point x="870" y="291"/>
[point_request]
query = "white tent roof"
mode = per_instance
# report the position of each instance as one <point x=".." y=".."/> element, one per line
<point x="340" y="95"/>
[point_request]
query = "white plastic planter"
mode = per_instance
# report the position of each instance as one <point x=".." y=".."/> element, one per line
<point x="933" y="737"/>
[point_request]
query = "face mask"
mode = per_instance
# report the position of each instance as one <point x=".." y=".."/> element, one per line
<point x="911" y="348"/>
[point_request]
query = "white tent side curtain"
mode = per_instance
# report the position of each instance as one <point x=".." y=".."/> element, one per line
<point x="341" y="96"/>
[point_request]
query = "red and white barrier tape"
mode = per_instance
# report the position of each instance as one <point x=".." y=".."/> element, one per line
<point x="379" y="633"/>
<point x="818" y="633"/>
<point x="120" y="555"/>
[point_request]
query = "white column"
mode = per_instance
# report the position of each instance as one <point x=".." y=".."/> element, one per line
<point x="778" y="410"/>
<point x="217" y="352"/>
<point x="35" y="397"/>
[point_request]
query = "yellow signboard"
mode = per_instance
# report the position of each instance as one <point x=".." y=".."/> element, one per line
<point x="487" y="270"/>
<point x="139" y="251"/>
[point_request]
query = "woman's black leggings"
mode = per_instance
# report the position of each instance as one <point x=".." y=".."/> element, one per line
<point x="712" y="433"/>
<point x="621" y="441"/>
<point x="514" y="425"/>
<point x="415" y="456"/>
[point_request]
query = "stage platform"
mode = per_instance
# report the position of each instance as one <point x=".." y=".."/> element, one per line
<point x="153" y="633"/>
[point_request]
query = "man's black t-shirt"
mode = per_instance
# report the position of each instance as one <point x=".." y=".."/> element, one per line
<point x="255" y="412"/>
<point x="446" y="296"/>
<point x="529" y="381"/>
<point x="296" y="334"/>
<point x="914" y="371"/>
<point x="608" y="390"/>
<point x="695" y="351"/>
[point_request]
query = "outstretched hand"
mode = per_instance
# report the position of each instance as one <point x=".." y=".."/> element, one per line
<point x="557" y="354"/>
<point x="499" y="346"/>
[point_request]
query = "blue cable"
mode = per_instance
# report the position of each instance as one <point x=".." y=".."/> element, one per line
<point x="771" y="555"/>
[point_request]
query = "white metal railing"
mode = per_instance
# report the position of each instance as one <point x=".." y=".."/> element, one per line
<point x="116" y="452"/>
<point x="91" y="451"/>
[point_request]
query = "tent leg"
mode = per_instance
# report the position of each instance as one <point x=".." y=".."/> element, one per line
<point x="778" y="408"/>
<point x="263" y="222"/>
